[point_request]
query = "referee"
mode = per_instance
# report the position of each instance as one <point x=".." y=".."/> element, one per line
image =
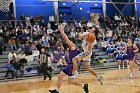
<point x="43" y="62"/>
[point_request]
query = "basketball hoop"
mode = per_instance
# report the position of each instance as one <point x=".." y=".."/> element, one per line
<point x="4" y="5"/>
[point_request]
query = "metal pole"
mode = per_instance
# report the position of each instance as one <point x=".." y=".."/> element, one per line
<point x="116" y="7"/>
<point x="14" y="7"/>
<point x="135" y="13"/>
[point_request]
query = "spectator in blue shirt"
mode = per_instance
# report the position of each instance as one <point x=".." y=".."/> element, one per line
<point x="9" y="68"/>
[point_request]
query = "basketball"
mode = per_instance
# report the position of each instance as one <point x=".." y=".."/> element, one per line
<point x="91" y="37"/>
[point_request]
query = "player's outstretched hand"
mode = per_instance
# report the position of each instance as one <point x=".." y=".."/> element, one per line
<point x="61" y="28"/>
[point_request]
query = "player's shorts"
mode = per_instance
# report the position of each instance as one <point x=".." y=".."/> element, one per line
<point x="131" y="57"/>
<point x="85" y="56"/>
<point x="68" y="69"/>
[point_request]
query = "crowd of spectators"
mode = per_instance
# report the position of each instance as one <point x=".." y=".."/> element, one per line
<point x="32" y="34"/>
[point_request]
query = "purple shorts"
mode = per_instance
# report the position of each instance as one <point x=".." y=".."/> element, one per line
<point x="131" y="57"/>
<point x="68" y="69"/>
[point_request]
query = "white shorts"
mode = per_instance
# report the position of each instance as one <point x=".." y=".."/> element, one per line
<point x="85" y="56"/>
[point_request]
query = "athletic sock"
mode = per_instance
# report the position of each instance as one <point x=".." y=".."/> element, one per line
<point x="119" y="67"/>
<point x="123" y="66"/>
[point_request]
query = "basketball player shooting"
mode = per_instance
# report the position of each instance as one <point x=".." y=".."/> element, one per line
<point x="67" y="71"/>
<point x="89" y="39"/>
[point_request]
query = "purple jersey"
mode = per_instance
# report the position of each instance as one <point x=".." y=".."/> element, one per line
<point x="72" y="54"/>
<point x="130" y="52"/>
<point x="68" y="69"/>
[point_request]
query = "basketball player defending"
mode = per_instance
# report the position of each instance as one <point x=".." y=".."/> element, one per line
<point x="85" y="56"/>
<point x="73" y="51"/>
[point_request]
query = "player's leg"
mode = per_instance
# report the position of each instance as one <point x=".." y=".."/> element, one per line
<point x="75" y="61"/>
<point x="135" y="68"/>
<point x="131" y="68"/>
<point x="87" y="60"/>
<point x="74" y="81"/>
<point x="59" y="82"/>
<point x="123" y="61"/>
<point x="119" y="64"/>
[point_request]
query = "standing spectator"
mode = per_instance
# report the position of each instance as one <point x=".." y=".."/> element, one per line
<point x="1" y="30"/>
<point x="83" y="19"/>
<point x="17" y="68"/>
<point x="9" y="68"/>
<point x="12" y="19"/>
<point x="101" y="21"/>
<point x="43" y="62"/>
<point x="52" y="21"/>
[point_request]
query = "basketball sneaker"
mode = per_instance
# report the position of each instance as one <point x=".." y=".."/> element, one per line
<point x="75" y="75"/>
<point x="53" y="91"/>
<point x="131" y="75"/>
<point x="86" y="88"/>
<point x="100" y="79"/>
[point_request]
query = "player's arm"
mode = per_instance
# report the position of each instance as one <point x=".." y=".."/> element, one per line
<point x="136" y="48"/>
<point x="83" y="35"/>
<point x="70" y="43"/>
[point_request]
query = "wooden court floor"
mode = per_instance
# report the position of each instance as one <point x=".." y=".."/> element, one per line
<point x="115" y="81"/>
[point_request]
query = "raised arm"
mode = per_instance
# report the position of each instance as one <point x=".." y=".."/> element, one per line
<point x="70" y="43"/>
<point x="83" y="35"/>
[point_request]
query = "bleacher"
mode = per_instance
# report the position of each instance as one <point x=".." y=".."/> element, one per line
<point x="108" y="64"/>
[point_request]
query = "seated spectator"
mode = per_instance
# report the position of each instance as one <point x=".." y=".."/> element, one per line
<point x="12" y="56"/>
<point x="24" y="34"/>
<point x="58" y="45"/>
<point x="52" y="43"/>
<point x="39" y="46"/>
<point x="9" y="68"/>
<point x="45" y="37"/>
<point x="35" y="37"/>
<point x="73" y="33"/>
<point x="62" y="52"/>
<point x="61" y="63"/>
<point x="27" y="49"/>
<point x="12" y="43"/>
<point x="56" y="56"/>
<point x="46" y="43"/>
<point x="21" y="47"/>
<point x="49" y="31"/>
<point x="33" y="47"/>
<point x="22" y="57"/>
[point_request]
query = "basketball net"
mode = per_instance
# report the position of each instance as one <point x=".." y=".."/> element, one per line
<point x="4" y="5"/>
